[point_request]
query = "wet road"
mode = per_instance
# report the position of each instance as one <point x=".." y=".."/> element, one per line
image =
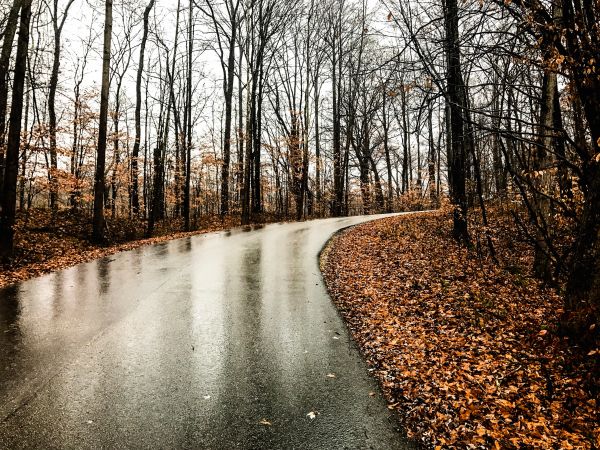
<point x="189" y="344"/>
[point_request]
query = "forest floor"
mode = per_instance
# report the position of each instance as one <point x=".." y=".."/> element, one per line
<point x="466" y="350"/>
<point x="45" y="244"/>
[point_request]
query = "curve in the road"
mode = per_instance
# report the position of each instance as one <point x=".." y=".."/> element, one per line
<point x="226" y="340"/>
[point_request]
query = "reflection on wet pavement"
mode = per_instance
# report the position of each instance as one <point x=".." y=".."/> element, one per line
<point x="188" y="344"/>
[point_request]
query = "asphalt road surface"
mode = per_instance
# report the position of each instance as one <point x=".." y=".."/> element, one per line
<point x="221" y="341"/>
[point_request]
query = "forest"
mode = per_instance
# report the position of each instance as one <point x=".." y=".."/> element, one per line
<point x="130" y="115"/>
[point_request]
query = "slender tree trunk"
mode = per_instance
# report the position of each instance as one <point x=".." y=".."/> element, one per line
<point x="74" y="147"/>
<point x="379" y="200"/>
<point x="564" y="180"/>
<point x="405" y="143"/>
<point x="542" y="160"/>
<point x="7" y="45"/>
<point x="116" y="156"/>
<point x="386" y="150"/>
<point x="247" y="172"/>
<point x="157" y="209"/>
<point x="240" y="161"/>
<point x="52" y="103"/>
<point x="337" y="134"/>
<point x="188" y="169"/>
<point x="228" y="91"/>
<point x="9" y="197"/>
<point x="99" y="182"/>
<point x="24" y="152"/>
<point x="135" y="154"/>
<point x="317" y="147"/>
<point x="176" y="121"/>
<point x="257" y="207"/>
<point x="457" y="108"/>
<point x="431" y="158"/>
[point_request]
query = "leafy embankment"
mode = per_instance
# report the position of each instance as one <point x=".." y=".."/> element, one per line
<point x="45" y="243"/>
<point x="466" y="350"/>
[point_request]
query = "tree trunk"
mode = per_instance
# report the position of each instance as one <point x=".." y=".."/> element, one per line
<point x="379" y="200"/>
<point x="338" y="193"/>
<point x="317" y="147"/>
<point x="99" y="181"/>
<point x="9" y="197"/>
<point x="257" y="207"/>
<point x="542" y="161"/>
<point x="240" y="133"/>
<point x="431" y="157"/>
<point x="52" y="103"/>
<point x="7" y="45"/>
<point x="188" y="131"/>
<point x="457" y="108"/>
<point x="228" y="92"/>
<point x="247" y="168"/>
<point x="405" y="143"/>
<point x="386" y="149"/>
<point x="135" y="154"/>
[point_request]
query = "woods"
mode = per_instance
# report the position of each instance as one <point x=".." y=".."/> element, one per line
<point x="261" y="110"/>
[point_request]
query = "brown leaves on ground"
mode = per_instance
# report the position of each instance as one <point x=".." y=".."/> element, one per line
<point x="45" y="244"/>
<point x="465" y="350"/>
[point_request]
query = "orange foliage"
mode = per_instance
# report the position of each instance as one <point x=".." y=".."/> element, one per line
<point x="464" y="349"/>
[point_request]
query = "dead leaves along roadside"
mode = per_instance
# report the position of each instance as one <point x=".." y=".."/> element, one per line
<point x="464" y="349"/>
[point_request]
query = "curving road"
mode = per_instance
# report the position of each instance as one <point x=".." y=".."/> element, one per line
<point x="218" y="341"/>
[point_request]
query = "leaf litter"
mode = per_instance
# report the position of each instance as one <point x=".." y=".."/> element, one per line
<point x="465" y="350"/>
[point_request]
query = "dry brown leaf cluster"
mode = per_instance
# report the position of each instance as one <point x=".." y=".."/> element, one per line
<point x="465" y="350"/>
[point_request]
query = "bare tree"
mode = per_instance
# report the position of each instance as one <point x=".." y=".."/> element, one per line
<point x="9" y="191"/>
<point x="99" y="182"/>
<point x="57" y="25"/>
<point x="225" y="26"/>
<point x="7" y="45"/>
<point x="135" y="202"/>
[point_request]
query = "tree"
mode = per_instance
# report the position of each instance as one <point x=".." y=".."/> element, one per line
<point x="335" y="41"/>
<point x="188" y="122"/>
<point x="99" y="180"/>
<point x="226" y="37"/>
<point x="460" y="138"/>
<point x="121" y="59"/>
<point x="9" y="191"/>
<point x="57" y="25"/>
<point x="7" y="45"/>
<point x="135" y="198"/>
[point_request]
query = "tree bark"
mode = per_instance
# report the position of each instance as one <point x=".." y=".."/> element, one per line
<point x="457" y="131"/>
<point x="386" y="150"/>
<point x="188" y="131"/>
<point x="52" y="102"/>
<point x="99" y="180"/>
<point x="338" y="193"/>
<point x="135" y="154"/>
<point x="431" y="157"/>
<point x="542" y="160"/>
<point x="7" y="45"/>
<point x="9" y="197"/>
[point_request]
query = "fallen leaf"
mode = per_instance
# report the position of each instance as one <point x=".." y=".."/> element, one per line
<point x="448" y="334"/>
